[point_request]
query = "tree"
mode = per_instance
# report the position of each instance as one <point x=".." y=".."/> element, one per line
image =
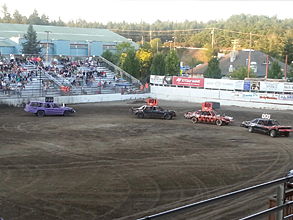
<point x="156" y="44"/>
<point x="158" y="64"/>
<point x="275" y="71"/>
<point x="17" y="18"/>
<point x="131" y="64"/>
<point x="241" y="73"/>
<point x="122" y="50"/>
<point x="213" y="70"/>
<point x="34" y="18"/>
<point x="288" y="50"/>
<point x="108" y="55"/>
<point x="172" y="63"/>
<point x="6" y="18"/>
<point x="145" y="57"/>
<point x="290" y="74"/>
<point x="31" y="45"/>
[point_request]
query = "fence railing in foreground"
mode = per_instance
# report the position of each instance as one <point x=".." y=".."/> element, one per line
<point x="281" y="204"/>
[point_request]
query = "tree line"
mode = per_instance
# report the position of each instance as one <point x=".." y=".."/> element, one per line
<point x="270" y="35"/>
<point x="267" y="34"/>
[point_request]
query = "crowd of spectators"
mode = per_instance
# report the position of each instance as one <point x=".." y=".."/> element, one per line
<point x="14" y="76"/>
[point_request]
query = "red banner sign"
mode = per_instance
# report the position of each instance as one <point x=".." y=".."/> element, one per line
<point x="186" y="81"/>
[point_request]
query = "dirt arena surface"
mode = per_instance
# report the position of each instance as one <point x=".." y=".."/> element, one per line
<point x="104" y="163"/>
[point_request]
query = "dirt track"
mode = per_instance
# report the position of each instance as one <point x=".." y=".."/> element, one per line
<point x="104" y="163"/>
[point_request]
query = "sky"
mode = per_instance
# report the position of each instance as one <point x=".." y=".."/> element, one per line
<point x="135" y="11"/>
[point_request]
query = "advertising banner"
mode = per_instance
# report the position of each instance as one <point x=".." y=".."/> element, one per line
<point x="246" y="85"/>
<point x="223" y="84"/>
<point x="288" y="87"/>
<point x="268" y="96"/>
<point x="186" y="81"/>
<point x="155" y="79"/>
<point x="286" y="97"/>
<point x="250" y="95"/>
<point x="272" y="86"/>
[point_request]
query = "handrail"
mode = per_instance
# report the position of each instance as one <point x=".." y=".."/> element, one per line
<point x="191" y="207"/>
<point x="121" y="70"/>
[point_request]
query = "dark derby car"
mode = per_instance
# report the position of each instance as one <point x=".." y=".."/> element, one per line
<point x="267" y="126"/>
<point x="47" y="108"/>
<point x="153" y="112"/>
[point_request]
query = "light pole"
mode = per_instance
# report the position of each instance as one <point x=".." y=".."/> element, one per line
<point x="174" y="41"/>
<point x="88" y="49"/>
<point x="170" y="44"/>
<point x="47" y="44"/>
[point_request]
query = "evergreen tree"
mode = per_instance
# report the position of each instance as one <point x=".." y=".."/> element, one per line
<point x="275" y="71"/>
<point x="172" y="63"/>
<point x="158" y="64"/>
<point x="290" y="74"/>
<point x="6" y="18"/>
<point x="131" y="64"/>
<point x="241" y="73"/>
<point x="108" y="55"/>
<point x="31" y="45"/>
<point x="213" y="70"/>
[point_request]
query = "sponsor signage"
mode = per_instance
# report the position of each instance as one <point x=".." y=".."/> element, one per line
<point x="155" y="79"/>
<point x="269" y="96"/>
<point x="272" y="86"/>
<point x="286" y="97"/>
<point x="223" y="84"/>
<point x="288" y="87"/>
<point x="246" y="85"/>
<point x="250" y="95"/>
<point x="187" y="81"/>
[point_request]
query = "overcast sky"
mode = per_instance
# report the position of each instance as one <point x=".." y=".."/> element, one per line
<point x="148" y="11"/>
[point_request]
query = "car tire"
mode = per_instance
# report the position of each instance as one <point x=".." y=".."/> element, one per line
<point x="40" y="113"/>
<point x="219" y="122"/>
<point x="273" y="133"/>
<point x="168" y="116"/>
<point x="287" y="134"/>
<point x="140" y="115"/>
<point x="66" y="113"/>
<point x="194" y="120"/>
<point x="250" y="129"/>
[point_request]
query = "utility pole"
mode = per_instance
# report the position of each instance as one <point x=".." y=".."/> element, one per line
<point x="142" y="40"/>
<point x="235" y="44"/>
<point x="267" y="66"/>
<point x="213" y="32"/>
<point x="150" y="36"/>
<point x="249" y="57"/>
<point x="286" y="66"/>
<point x="47" y="44"/>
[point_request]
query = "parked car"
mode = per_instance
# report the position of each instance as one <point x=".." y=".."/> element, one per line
<point x="209" y="116"/>
<point x="153" y="112"/>
<point x="47" y="108"/>
<point x="267" y="126"/>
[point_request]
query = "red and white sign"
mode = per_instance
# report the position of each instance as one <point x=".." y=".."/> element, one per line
<point x="152" y="102"/>
<point x="205" y="106"/>
<point x="186" y="81"/>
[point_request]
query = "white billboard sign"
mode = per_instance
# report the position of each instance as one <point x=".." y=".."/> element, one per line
<point x="155" y="79"/>
<point x="223" y="84"/>
<point x="272" y="86"/>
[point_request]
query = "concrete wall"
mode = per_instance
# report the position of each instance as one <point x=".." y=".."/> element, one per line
<point x="228" y="98"/>
<point x="78" y="99"/>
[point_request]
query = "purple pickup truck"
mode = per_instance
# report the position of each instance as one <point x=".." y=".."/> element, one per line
<point x="47" y="108"/>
